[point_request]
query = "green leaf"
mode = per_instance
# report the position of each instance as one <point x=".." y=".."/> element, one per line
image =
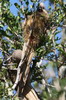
<point x="17" y="6"/>
<point x="1" y="25"/>
<point x="27" y="3"/>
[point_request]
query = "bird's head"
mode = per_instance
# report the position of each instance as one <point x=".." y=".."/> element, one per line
<point x="40" y="7"/>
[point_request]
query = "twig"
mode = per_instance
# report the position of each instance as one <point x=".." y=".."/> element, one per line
<point x="50" y="85"/>
<point x="8" y="64"/>
<point x="6" y="61"/>
<point x="19" y="36"/>
<point x="17" y="77"/>
<point x="3" y="50"/>
<point x="9" y="68"/>
<point x="9" y="40"/>
<point x="54" y="43"/>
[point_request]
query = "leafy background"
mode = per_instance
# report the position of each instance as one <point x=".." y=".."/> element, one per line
<point x="52" y="48"/>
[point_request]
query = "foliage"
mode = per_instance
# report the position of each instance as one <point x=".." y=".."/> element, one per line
<point x="51" y="48"/>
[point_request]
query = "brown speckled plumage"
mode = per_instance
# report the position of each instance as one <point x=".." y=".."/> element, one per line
<point x="37" y="23"/>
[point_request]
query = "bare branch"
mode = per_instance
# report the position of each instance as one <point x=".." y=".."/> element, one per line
<point x="25" y="48"/>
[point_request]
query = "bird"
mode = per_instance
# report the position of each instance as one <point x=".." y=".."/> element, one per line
<point x="37" y="23"/>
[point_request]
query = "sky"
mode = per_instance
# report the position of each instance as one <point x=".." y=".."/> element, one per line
<point x="13" y="8"/>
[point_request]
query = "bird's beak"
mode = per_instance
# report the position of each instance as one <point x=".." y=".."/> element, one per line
<point x="46" y="13"/>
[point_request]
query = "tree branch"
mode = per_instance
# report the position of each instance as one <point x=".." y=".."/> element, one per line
<point x="25" y="51"/>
